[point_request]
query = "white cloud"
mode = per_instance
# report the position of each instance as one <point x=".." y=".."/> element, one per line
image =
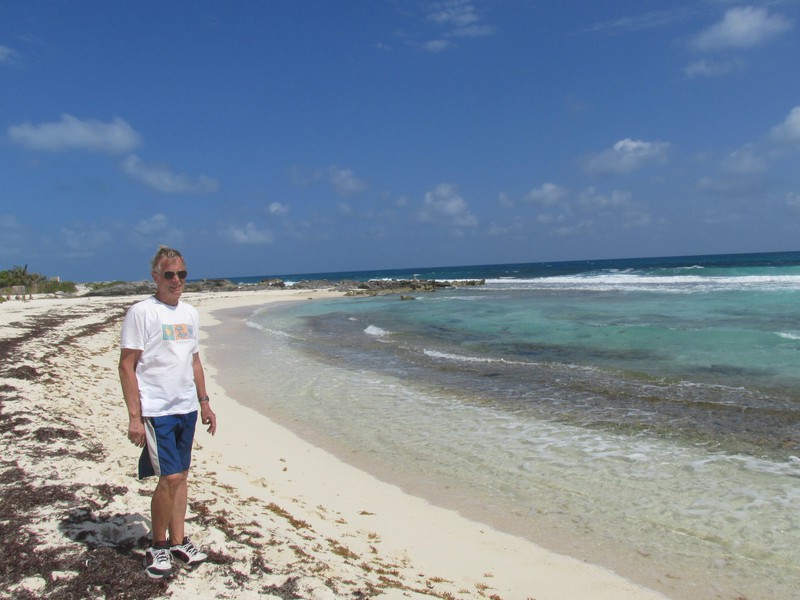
<point x="589" y="198"/>
<point x="158" y="223"/>
<point x="598" y="213"/>
<point x="628" y="155"/>
<point x="793" y="199"/>
<point x="455" y="19"/>
<point x="712" y="68"/>
<point x="164" y="180"/>
<point x="789" y="130"/>
<point x="71" y="133"/>
<point x="344" y="181"/>
<point x="436" y="45"/>
<point x="249" y="234"/>
<point x="156" y="228"/>
<point x="745" y="161"/>
<point x="460" y="18"/>
<point x="650" y="20"/>
<point x="445" y="202"/>
<point x="549" y="218"/>
<point x="455" y="13"/>
<point x="618" y="206"/>
<point x="7" y="55"/>
<point x="277" y="208"/>
<point x="505" y="200"/>
<point x="546" y="195"/>
<point x="742" y="27"/>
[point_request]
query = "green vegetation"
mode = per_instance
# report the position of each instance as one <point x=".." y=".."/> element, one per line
<point x="33" y="283"/>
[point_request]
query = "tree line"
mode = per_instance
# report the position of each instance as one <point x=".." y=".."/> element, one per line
<point x="34" y="283"/>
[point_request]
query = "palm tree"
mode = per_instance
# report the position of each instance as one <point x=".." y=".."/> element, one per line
<point x="19" y="275"/>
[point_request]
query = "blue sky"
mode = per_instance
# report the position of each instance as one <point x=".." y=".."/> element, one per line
<point x="295" y="136"/>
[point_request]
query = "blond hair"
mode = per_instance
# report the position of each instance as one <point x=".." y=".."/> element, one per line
<point x="162" y="253"/>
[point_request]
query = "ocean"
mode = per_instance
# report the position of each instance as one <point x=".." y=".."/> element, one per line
<point x="641" y="414"/>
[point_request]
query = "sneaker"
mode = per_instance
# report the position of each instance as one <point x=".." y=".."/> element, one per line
<point x="188" y="554"/>
<point x="157" y="562"/>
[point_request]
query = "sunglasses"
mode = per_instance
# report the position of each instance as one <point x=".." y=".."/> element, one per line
<point x="171" y="274"/>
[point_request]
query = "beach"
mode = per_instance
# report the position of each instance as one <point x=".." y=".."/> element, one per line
<point x="278" y="516"/>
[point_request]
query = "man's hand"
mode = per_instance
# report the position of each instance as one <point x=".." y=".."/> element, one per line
<point x="136" y="432"/>
<point x="208" y="417"/>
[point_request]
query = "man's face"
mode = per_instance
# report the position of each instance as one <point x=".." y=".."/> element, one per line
<point x="169" y="290"/>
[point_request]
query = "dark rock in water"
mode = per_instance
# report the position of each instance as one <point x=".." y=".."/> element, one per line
<point x="273" y="282"/>
<point x="395" y="286"/>
<point x="313" y="284"/>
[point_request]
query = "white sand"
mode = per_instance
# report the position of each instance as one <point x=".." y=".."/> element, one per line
<point x="275" y="511"/>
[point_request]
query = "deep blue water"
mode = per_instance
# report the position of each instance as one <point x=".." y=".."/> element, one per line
<point x="658" y="266"/>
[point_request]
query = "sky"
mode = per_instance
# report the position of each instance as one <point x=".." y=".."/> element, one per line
<point x="305" y="136"/>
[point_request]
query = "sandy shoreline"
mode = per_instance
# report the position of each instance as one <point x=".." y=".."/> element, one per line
<point x="280" y="517"/>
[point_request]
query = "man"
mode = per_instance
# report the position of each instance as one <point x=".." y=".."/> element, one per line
<point x="163" y="382"/>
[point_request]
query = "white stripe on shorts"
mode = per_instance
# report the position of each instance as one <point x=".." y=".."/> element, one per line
<point x="152" y="446"/>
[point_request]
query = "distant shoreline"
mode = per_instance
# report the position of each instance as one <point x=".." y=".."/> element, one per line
<point x="347" y="287"/>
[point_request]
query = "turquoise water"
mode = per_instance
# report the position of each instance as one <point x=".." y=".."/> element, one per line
<point x="640" y="414"/>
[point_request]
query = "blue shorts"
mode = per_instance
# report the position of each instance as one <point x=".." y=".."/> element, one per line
<point x="169" y="445"/>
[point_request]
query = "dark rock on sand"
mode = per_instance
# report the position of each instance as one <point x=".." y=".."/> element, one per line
<point x="349" y="287"/>
<point x="128" y="288"/>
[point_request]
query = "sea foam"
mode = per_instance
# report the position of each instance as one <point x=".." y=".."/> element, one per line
<point x="376" y="331"/>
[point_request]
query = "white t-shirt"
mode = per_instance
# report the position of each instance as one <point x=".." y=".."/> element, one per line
<point x="167" y="337"/>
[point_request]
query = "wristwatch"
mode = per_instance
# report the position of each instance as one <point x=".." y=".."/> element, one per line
<point x="203" y="399"/>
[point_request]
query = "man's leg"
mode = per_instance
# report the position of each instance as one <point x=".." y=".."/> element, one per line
<point x="168" y="506"/>
<point x="181" y="548"/>
<point x="169" y="450"/>
<point x="157" y="558"/>
<point x="169" y="498"/>
<point x="177" y="521"/>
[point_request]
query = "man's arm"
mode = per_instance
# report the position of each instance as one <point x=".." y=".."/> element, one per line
<point x="128" y="359"/>
<point x="206" y="414"/>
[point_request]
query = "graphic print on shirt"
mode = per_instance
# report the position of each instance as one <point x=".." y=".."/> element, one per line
<point x="178" y="332"/>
